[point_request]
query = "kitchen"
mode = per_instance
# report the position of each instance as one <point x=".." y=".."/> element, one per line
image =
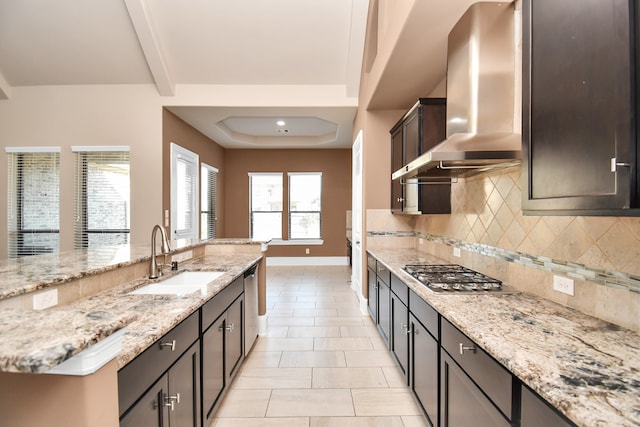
<point x="479" y="219"/>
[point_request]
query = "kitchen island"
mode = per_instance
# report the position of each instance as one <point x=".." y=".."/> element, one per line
<point x="586" y="368"/>
<point x="40" y="341"/>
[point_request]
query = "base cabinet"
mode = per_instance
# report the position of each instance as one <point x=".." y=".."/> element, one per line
<point x="175" y="398"/>
<point x="222" y="344"/>
<point x="424" y="369"/>
<point x="180" y="379"/>
<point x="536" y="412"/>
<point x="462" y="403"/>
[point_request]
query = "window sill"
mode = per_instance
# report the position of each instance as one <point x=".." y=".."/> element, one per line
<point x="307" y="242"/>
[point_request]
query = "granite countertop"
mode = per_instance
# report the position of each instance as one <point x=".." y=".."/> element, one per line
<point x="64" y="331"/>
<point x="587" y="368"/>
<point x="32" y="273"/>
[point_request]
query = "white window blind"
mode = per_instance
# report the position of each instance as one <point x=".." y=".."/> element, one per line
<point x="33" y="206"/>
<point x="208" y="215"/>
<point x="305" y="207"/>
<point x="265" y="206"/>
<point x="102" y="205"/>
<point x="184" y="193"/>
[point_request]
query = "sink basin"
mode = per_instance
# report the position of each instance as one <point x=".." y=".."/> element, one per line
<point x="180" y="284"/>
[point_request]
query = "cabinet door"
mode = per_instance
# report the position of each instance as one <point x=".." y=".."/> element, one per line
<point x="396" y="163"/>
<point x="384" y="310"/>
<point x="372" y="301"/>
<point x="462" y="402"/>
<point x="233" y="338"/>
<point x="399" y="335"/>
<point x="412" y="134"/>
<point x="578" y="106"/>
<point x="424" y="368"/>
<point x="184" y="390"/>
<point x="151" y="410"/>
<point x="212" y="365"/>
<point x="536" y="412"/>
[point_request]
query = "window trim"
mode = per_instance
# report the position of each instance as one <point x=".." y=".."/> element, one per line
<point x="212" y="209"/>
<point x="179" y="152"/>
<point x="289" y="211"/>
<point x="251" y="211"/>
<point x="81" y="226"/>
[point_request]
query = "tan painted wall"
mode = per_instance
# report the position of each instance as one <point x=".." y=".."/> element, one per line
<point x="179" y="132"/>
<point x="335" y="166"/>
<point x="30" y="400"/>
<point x="63" y="116"/>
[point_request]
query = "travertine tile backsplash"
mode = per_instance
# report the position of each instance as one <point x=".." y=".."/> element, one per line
<point x="525" y="251"/>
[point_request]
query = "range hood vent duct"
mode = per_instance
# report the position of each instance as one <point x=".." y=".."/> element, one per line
<point x="481" y="101"/>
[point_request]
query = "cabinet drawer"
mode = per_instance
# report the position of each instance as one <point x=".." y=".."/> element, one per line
<point x="371" y="262"/>
<point x="424" y="313"/>
<point x="400" y="289"/>
<point x="488" y="374"/>
<point x="383" y="273"/>
<point x="147" y="367"/>
<point x="213" y="308"/>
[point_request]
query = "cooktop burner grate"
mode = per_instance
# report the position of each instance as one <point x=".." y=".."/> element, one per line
<point x="452" y="277"/>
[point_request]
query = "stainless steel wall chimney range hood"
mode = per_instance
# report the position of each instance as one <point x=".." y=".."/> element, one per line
<point x="481" y="98"/>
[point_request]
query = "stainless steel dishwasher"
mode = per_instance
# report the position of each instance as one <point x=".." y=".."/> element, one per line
<point x="251" y="307"/>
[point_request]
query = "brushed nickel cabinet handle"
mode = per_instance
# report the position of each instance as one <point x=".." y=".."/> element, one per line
<point x="464" y="348"/>
<point x="171" y="344"/>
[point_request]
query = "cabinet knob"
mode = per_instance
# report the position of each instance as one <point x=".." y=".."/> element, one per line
<point x="464" y="348"/>
<point x="171" y="344"/>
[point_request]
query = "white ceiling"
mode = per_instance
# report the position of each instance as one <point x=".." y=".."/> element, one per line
<point x="197" y="42"/>
<point x="221" y="43"/>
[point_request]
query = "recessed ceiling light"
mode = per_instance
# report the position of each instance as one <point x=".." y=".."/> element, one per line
<point x="280" y="123"/>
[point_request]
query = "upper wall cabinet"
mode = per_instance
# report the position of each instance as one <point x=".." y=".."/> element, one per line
<point x="580" y="103"/>
<point x="419" y="130"/>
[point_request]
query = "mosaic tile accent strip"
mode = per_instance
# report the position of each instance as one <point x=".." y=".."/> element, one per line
<point x="574" y="270"/>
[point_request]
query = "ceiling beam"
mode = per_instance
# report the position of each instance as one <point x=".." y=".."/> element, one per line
<point x="5" y="89"/>
<point x="151" y="46"/>
<point x="359" y="10"/>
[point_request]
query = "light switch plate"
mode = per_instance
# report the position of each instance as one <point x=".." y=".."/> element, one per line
<point x="456" y="252"/>
<point x="45" y="299"/>
<point x="563" y="284"/>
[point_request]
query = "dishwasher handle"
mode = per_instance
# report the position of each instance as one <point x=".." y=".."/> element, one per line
<point x="251" y="272"/>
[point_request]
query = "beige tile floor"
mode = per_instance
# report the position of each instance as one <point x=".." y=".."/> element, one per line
<point x="322" y="364"/>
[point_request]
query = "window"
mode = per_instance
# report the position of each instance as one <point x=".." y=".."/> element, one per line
<point x="33" y="208"/>
<point x="102" y="205"/>
<point x="265" y="206"/>
<point x="208" y="217"/>
<point x="305" y="194"/>
<point x="184" y="193"/>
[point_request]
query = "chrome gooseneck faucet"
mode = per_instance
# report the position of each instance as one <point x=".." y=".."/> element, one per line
<point x="155" y="269"/>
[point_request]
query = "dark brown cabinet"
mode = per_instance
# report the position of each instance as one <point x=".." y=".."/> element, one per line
<point x="424" y="355"/>
<point x="474" y="388"/>
<point x="171" y="367"/>
<point x="419" y="130"/>
<point x="384" y="302"/>
<point x="537" y="413"/>
<point x="222" y="344"/>
<point x="400" y="325"/>
<point x="580" y="83"/>
<point x="372" y="288"/>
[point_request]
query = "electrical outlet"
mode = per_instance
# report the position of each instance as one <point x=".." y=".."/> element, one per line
<point x="306" y="251"/>
<point x="563" y="284"/>
<point x="45" y="299"/>
<point x="420" y="241"/>
<point x="456" y="252"/>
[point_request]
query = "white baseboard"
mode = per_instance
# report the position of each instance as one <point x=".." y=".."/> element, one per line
<point x="263" y="325"/>
<point x="308" y="260"/>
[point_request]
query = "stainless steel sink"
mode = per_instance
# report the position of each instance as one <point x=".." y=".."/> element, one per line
<point x="180" y="284"/>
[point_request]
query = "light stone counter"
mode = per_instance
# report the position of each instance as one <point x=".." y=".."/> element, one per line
<point x="587" y="368"/>
<point x="36" y="341"/>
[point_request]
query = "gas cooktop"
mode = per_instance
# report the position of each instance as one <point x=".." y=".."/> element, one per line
<point x="453" y="278"/>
